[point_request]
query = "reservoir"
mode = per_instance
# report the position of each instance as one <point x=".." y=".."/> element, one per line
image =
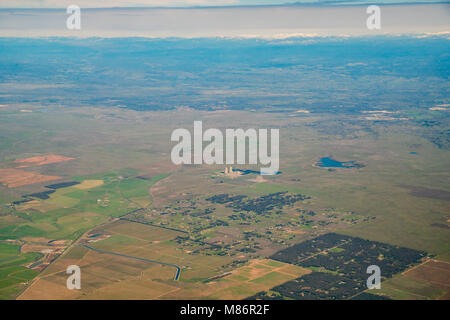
<point x="329" y="162"/>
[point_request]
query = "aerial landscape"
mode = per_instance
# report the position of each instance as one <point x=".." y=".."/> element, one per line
<point x="87" y="178"/>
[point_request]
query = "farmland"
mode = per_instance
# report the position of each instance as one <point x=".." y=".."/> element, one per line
<point x="48" y="223"/>
<point x="90" y="182"/>
<point x="206" y="224"/>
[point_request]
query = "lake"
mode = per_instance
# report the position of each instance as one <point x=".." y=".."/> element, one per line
<point x="329" y="162"/>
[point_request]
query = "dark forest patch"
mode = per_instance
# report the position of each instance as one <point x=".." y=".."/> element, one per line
<point x="258" y="205"/>
<point x="344" y="275"/>
<point x="41" y="195"/>
<point x="427" y="193"/>
<point x="62" y="185"/>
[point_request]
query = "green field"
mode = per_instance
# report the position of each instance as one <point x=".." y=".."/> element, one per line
<point x="177" y="222"/>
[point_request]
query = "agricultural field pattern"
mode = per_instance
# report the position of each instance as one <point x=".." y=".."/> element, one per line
<point x="86" y="176"/>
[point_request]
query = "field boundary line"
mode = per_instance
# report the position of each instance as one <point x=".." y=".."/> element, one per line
<point x="177" y="274"/>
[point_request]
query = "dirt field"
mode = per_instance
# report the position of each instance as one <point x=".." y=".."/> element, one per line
<point x="258" y="275"/>
<point x="429" y="280"/>
<point x="15" y="178"/>
<point x="41" y="160"/>
<point x="434" y="272"/>
<point x="102" y="277"/>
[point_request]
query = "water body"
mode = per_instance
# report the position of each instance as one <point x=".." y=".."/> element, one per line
<point x="95" y="235"/>
<point x="329" y="162"/>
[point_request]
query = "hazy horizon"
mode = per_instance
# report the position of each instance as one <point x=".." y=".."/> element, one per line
<point x="58" y="4"/>
<point x="247" y="22"/>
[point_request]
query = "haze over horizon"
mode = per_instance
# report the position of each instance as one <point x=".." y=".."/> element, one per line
<point x="188" y="3"/>
<point x="241" y="22"/>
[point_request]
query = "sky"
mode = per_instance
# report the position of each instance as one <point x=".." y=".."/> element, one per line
<point x="166" y="3"/>
<point x="130" y="3"/>
<point x="242" y="22"/>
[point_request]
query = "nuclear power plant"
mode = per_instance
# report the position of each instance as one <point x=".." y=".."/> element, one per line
<point x="228" y="172"/>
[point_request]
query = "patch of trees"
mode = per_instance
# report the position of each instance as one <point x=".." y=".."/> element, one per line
<point x="369" y="296"/>
<point x="258" y="205"/>
<point x="307" y="248"/>
<point x="224" y="198"/>
<point x="314" y="286"/>
<point x="62" y="185"/>
<point x="41" y="195"/>
<point x="357" y="254"/>
<point x="346" y="261"/>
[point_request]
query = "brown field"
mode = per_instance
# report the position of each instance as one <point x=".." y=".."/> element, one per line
<point x="15" y="178"/>
<point x="258" y="275"/>
<point x="102" y="277"/>
<point x="134" y="289"/>
<point x="106" y="276"/>
<point x="429" y="280"/>
<point x="434" y="272"/>
<point x="45" y="290"/>
<point x="445" y="297"/>
<point x="41" y="160"/>
<point x="141" y="231"/>
<point x="258" y="268"/>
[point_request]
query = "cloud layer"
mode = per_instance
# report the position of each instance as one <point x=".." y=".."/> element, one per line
<point x="113" y="3"/>
<point x="260" y="22"/>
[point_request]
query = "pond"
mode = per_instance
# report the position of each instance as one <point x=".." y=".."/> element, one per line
<point x="329" y="162"/>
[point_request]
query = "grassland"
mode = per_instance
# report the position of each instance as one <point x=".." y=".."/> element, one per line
<point x="130" y="175"/>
